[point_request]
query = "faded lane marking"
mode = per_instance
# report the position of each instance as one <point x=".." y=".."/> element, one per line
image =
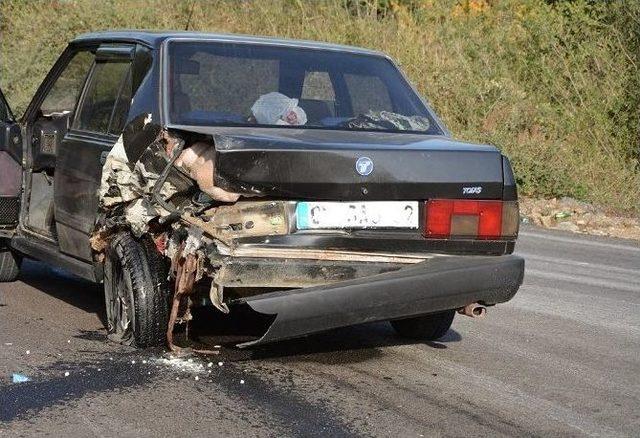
<point x="581" y="241"/>
<point x="587" y="265"/>
<point x="509" y="396"/>
<point x="583" y="279"/>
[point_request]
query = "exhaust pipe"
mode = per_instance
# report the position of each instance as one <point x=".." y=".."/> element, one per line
<point x="474" y="310"/>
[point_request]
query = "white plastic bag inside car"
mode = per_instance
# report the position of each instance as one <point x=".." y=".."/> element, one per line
<point x="277" y="109"/>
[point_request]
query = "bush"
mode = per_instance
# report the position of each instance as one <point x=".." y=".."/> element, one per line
<point x="554" y="84"/>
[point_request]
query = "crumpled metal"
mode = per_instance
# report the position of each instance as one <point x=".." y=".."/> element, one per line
<point x="388" y="120"/>
<point x="130" y="184"/>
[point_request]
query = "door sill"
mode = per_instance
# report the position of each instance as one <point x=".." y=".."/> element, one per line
<point x="35" y="233"/>
<point x="44" y="251"/>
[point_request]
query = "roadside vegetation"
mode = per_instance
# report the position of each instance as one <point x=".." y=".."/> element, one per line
<point x="555" y="84"/>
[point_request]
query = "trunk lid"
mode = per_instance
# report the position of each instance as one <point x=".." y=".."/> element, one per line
<point x="321" y="165"/>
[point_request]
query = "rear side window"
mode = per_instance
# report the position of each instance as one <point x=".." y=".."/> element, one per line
<point x="106" y="101"/>
<point x="121" y="109"/>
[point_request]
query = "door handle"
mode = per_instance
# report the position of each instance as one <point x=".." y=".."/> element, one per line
<point x="103" y="157"/>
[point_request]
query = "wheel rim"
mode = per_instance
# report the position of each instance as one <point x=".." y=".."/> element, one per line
<point x="118" y="302"/>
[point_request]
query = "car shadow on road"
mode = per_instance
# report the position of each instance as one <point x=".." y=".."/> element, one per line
<point x="83" y="294"/>
<point x="344" y="345"/>
<point x="210" y="327"/>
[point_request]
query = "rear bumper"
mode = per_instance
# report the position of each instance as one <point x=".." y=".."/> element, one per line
<point x="431" y="286"/>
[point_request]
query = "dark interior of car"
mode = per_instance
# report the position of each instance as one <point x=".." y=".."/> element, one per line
<point x="47" y="132"/>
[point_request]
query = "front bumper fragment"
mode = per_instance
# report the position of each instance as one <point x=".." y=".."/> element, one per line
<point x="437" y="284"/>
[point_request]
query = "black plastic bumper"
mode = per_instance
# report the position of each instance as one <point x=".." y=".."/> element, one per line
<point x="434" y="285"/>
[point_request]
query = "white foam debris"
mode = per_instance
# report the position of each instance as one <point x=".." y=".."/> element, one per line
<point x="242" y="382"/>
<point x="144" y="361"/>
<point x="66" y="373"/>
<point x="182" y="364"/>
<point x="220" y="364"/>
<point x="133" y="362"/>
<point x="196" y="378"/>
<point x="68" y="341"/>
<point x="99" y="369"/>
<point x="28" y="352"/>
<point x="216" y="346"/>
<point x="19" y="378"/>
<point x="210" y="364"/>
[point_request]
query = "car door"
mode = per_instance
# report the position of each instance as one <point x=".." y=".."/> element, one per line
<point x="10" y="167"/>
<point x="96" y="126"/>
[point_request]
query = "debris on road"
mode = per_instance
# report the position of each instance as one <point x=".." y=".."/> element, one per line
<point x="181" y="364"/>
<point x="19" y="378"/>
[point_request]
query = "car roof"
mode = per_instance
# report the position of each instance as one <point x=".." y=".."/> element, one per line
<point x="155" y="38"/>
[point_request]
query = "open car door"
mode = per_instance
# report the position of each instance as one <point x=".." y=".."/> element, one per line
<point x="10" y="167"/>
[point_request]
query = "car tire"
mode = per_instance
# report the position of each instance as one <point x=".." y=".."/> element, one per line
<point x="426" y="327"/>
<point x="9" y="265"/>
<point x="136" y="292"/>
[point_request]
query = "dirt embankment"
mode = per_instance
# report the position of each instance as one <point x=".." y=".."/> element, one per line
<point x="577" y="216"/>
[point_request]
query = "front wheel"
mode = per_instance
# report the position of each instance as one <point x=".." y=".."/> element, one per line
<point x="136" y="292"/>
<point x="426" y="327"/>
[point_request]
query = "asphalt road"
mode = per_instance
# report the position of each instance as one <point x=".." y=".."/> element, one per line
<point x="562" y="358"/>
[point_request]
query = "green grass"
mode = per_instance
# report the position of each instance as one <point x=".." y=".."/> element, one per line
<point x="553" y="84"/>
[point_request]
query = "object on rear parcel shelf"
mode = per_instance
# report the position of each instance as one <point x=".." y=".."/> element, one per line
<point x="277" y="109"/>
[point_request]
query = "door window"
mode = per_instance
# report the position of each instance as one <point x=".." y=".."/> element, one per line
<point x="63" y="96"/>
<point x="107" y="98"/>
<point x="5" y="113"/>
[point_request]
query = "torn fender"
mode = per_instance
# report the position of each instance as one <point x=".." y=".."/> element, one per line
<point x="434" y="285"/>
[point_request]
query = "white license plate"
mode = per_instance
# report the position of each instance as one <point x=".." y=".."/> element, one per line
<point x="355" y="215"/>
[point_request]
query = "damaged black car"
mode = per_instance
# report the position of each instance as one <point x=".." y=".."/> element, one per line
<point x="306" y="181"/>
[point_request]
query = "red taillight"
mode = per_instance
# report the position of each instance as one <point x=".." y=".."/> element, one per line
<point x="446" y="218"/>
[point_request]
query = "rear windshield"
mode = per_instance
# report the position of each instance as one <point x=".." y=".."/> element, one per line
<point x="213" y="83"/>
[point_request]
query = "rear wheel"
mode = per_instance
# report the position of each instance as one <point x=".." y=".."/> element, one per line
<point x="426" y="327"/>
<point x="9" y="265"/>
<point x="136" y="292"/>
